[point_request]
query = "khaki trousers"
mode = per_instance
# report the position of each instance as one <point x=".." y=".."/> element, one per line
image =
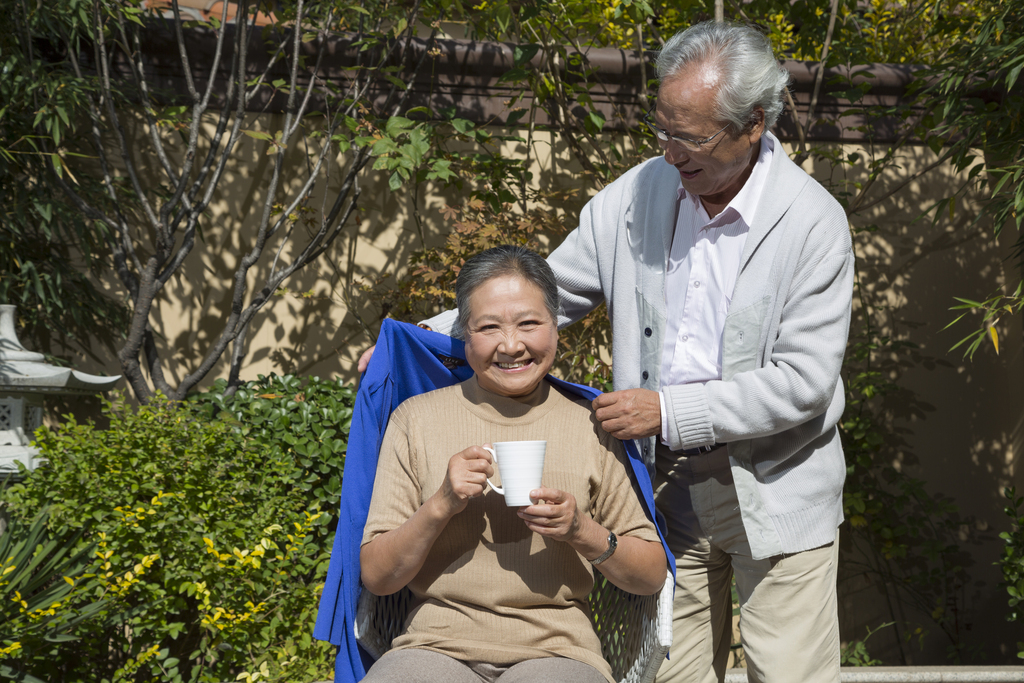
<point x="789" y="620"/>
<point x="414" y="665"/>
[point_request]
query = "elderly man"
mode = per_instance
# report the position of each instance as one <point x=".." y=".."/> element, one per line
<point x="728" y="276"/>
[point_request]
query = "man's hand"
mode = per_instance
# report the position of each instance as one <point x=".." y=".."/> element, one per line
<point x="629" y="414"/>
<point x="364" y="359"/>
<point x="466" y="478"/>
<point x="554" y="514"/>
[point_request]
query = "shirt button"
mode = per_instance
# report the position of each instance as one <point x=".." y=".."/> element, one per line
<point x="646" y="375"/>
<point x="696" y="283"/>
<point x="648" y="332"/>
<point x="686" y="337"/>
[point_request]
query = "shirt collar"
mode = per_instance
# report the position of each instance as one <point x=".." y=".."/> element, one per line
<point x="746" y="200"/>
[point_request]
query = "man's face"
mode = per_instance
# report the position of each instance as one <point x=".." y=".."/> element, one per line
<point x="686" y="108"/>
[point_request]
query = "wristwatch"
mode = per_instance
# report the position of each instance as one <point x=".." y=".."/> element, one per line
<point x="613" y="543"/>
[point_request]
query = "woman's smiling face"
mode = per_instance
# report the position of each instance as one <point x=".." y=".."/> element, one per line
<point x="511" y="338"/>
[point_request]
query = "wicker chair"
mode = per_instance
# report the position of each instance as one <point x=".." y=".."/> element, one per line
<point x="635" y="630"/>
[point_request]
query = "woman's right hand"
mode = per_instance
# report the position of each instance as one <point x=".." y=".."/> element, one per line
<point x="391" y="560"/>
<point x="466" y="478"/>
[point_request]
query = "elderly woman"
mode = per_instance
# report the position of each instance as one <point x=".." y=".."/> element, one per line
<point x="500" y="591"/>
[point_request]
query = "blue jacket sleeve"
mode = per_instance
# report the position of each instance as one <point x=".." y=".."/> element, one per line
<point x="407" y="361"/>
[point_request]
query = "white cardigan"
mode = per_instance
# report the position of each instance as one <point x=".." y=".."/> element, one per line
<point x="780" y="396"/>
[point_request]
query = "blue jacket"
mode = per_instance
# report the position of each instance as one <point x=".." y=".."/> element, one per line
<point x="407" y="361"/>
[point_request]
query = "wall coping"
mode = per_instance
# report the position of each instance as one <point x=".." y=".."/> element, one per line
<point x="466" y="75"/>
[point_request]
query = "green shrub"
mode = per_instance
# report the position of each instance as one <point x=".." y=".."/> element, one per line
<point x="211" y="553"/>
<point x="308" y="419"/>
<point x="1012" y="560"/>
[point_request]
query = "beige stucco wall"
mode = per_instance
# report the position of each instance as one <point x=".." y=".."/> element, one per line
<point x="956" y="423"/>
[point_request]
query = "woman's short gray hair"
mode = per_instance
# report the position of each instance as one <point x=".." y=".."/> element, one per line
<point x="748" y="72"/>
<point x="508" y="259"/>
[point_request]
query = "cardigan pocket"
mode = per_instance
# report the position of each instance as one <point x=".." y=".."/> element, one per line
<point x="742" y="338"/>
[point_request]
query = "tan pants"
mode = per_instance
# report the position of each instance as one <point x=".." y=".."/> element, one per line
<point x="789" y="620"/>
<point x="413" y="665"/>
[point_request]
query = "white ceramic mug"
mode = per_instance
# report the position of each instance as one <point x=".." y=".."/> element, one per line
<point x="520" y="464"/>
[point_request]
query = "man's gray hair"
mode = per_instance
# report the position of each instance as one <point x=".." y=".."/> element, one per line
<point x="749" y="75"/>
<point x="508" y="259"/>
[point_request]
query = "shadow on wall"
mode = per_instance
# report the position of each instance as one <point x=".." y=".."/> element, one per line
<point x="951" y="422"/>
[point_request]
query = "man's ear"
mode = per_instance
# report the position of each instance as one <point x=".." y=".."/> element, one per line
<point x="755" y="126"/>
<point x="757" y="120"/>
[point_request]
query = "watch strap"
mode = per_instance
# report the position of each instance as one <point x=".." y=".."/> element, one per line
<point x="613" y="543"/>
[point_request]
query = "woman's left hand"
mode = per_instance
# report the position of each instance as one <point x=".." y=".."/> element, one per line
<point x="553" y="514"/>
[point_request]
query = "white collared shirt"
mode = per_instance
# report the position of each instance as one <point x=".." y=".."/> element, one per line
<point x="703" y="264"/>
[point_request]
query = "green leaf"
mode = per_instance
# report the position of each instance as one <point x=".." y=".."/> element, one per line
<point x="1011" y="78"/>
<point x="503" y="17"/>
<point x="396" y="125"/>
<point x="514" y="75"/>
<point x="383" y="146"/>
<point x="258" y="135"/>
<point x="522" y="54"/>
<point x="514" y="116"/>
<point x="395" y="181"/>
<point x="462" y="125"/>
<point x="400" y="84"/>
<point x="45" y="210"/>
<point x="596" y="120"/>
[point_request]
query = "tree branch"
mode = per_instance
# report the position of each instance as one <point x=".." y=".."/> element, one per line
<point x="818" y="80"/>
<point x="115" y="122"/>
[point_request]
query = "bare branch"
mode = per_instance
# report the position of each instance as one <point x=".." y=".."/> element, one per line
<point x="906" y="181"/>
<point x="820" y="76"/>
<point x="218" y="49"/>
<point x="854" y="206"/>
<point x="156" y="370"/>
<point x="134" y="58"/>
<point x="186" y="67"/>
<point x="128" y="355"/>
<point x="122" y="248"/>
<point x="802" y="149"/>
<point x="238" y="355"/>
<point x="118" y="127"/>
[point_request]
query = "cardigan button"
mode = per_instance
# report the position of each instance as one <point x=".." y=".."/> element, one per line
<point x="646" y="375"/>
<point x="648" y="332"/>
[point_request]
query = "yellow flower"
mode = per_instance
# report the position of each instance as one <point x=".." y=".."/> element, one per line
<point x="10" y="649"/>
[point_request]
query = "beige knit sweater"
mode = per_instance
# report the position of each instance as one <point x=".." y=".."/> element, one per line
<point x="490" y="589"/>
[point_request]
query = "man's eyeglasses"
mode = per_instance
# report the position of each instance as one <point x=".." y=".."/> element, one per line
<point x="664" y="137"/>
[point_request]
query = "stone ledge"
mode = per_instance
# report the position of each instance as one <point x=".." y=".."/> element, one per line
<point x="912" y="674"/>
<point x="915" y="674"/>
